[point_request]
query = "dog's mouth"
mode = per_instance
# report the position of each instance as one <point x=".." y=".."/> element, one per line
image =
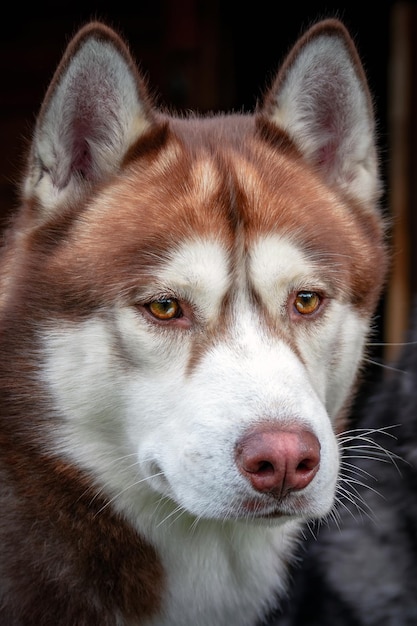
<point x="272" y="508"/>
<point x="258" y="507"/>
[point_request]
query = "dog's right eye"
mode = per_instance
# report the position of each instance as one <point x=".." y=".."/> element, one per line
<point x="165" y="309"/>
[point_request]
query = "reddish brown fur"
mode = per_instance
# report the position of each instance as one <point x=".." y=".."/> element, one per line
<point x="97" y="247"/>
<point x="86" y="257"/>
<point x="51" y="509"/>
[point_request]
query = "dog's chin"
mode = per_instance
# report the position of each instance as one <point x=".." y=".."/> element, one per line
<point x="269" y="518"/>
<point x="272" y="512"/>
<point x="259" y="509"/>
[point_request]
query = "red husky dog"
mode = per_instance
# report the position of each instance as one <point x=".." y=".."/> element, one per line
<point x="185" y="304"/>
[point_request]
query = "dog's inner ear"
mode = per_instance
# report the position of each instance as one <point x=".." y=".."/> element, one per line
<point x="321" y="99"/>
<point x="95" y="109"/>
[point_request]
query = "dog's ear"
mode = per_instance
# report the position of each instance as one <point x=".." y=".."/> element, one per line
<point x="320" y="97"/>
<point x="95" y="108"/>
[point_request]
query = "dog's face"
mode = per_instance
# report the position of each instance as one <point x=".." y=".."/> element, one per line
<point x="201" y="290"/>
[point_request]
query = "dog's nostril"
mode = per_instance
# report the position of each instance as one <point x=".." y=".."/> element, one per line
<point x="278" y="460"/>
<point x="264" y="467"/>
<point x="307" y="464"/>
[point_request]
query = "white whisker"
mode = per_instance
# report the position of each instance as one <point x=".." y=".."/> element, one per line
<point x="353" y="482"/>
<point x="178" y="511"/>
<point x="312" y="531"/>
<point x="353" y="496"/>
<point x="355" y="470"/>
<point x="390" y="368"/>
<point x="130" y="486"/>
<point x="360" y="444"/>
<point x="384" y="344"/>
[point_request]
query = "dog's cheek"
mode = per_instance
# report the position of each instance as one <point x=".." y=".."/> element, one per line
<point x="340" y="345"/>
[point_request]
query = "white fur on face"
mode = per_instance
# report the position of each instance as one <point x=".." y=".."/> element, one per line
<point x="332" y="348"/>
<point x="159" y="435"/>
<point x="123" y="387"/>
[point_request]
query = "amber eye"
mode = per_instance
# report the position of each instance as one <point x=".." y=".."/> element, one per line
<point x="165" y="309"/>
<point x="307" y="302"/>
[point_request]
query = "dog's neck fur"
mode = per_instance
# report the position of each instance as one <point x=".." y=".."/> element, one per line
<point x="220" y="563"/>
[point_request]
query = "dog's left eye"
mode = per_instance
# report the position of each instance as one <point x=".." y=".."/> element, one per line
<point x="165" y="309"/>
<point x="307" y="302"/>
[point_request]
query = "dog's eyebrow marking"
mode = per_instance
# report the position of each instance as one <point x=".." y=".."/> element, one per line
<point x="276" y="265"/>
<point x="199" y="270"/>
<point x="274" y="259"/>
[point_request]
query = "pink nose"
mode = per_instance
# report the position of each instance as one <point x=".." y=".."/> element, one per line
<point x="278" y="460"/>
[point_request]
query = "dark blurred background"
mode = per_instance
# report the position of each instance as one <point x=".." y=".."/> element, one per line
<point x="211" y="55"/>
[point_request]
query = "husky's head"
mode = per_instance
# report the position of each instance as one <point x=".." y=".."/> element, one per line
<point x="198" y="292"/>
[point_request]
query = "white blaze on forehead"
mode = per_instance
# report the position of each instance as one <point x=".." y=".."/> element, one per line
<point x="199" y="272"/>
<point x="277" y="265"/>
